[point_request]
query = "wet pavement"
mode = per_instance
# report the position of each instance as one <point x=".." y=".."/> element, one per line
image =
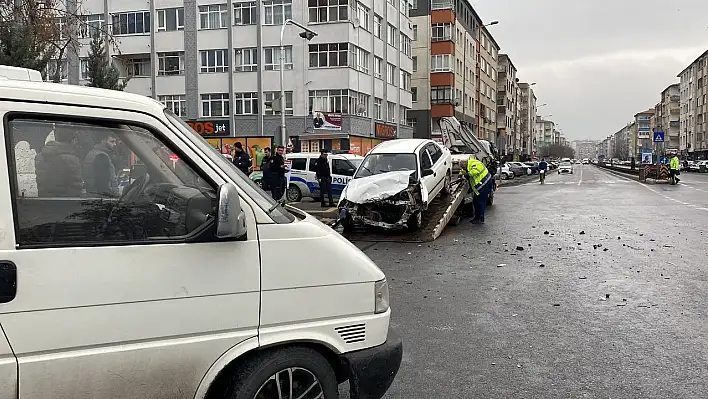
<point x="593" y="285"/>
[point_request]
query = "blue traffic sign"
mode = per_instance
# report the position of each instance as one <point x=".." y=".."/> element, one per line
<point x="658" y="137"/>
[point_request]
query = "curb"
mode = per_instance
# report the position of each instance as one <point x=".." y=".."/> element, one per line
<point x="634" y="177"/>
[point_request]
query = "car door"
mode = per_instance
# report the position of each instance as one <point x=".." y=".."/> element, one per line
<point x="342" y="172"/>
<point x="117" y="297"/>
<point x="426" y="162"/>
<point x="8" y="362"/>
<point x="440" y="166"/>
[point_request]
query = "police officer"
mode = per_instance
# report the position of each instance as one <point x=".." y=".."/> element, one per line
<point x="674" y="169"/>
<point x="481" y="182"/>
<point x="324" y="178"/>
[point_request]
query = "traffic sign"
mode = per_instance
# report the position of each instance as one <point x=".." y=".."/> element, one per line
<point x="658" y="137"/>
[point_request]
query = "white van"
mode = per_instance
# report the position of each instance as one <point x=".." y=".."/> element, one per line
<point x="193" y="283"/>
<point x="17" y="73"/>
<point x="303" y="180"/>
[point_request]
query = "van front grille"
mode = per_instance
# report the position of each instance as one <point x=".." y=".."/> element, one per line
<point x="352" y="333"/>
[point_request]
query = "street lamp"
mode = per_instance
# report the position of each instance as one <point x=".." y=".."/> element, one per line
<point x="491" y="23"/>
<point x="307" y="34"/>
<point x="542" y="105"/>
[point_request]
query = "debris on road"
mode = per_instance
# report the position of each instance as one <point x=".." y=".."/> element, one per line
<point x="546" y="232"/>
<point x="519" y="248"/>
<point x="501" y="265"/>
<point x="582" y="232"/>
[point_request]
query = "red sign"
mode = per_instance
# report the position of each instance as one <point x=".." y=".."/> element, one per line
<point x="214" y="128"/>
<point x="384" y="131"/>
<point x="174" y="158"/>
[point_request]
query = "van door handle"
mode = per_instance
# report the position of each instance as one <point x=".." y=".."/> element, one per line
<point x="8" y="281"/>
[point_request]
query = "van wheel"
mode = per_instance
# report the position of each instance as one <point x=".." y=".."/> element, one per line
<point x="293" y="193"/>
<point x="285" y="374"/>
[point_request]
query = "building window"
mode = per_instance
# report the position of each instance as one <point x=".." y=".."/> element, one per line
<point x="441" y="32"/>
<point x="440" y="63"/>
<point x="329" y="101"/>
<point x="403" y="113"/>
<point x="391" y="112"/>
<point x="378" y="67"/>
<point x="277" y="11"/>
<point x="390" y="74"/>
<point x="414" y="94"/>
<point x="175" y="103"/>
<point x="214" y="105"/>
<point x="170" y="19"/>
<point x="272" y="58"/>
<point x="328" y="10"/>
<point x="170" y="63"/>
<point x="406" y="45"/>
<point x="246" y="104"/>
<point x="362" y="13"/>
<point x="328" y="55"/>
<point x="245" y="59"/>
<point x="56" y="67"/>
<point x="272" y="96"/>
<point x="441" y="95"/>
<point x="378" y="111"/>
<point x="84" y="68"/>
<point x="359" y="58"/>
<point x="414" y="4"/>
<point x="138" y="67"/>
<point x="411" y="122"/>
<point x="415" y="63"/>
<point x="245" y="13"/>
<point x="378" y="21"/>
<point x="415" y="32"/>
<point x="359" y="103"/>
<point x="214" y="16"/>
<point x="131" y="23"/>
<point x="405" y="80"/>
<point x="392" y="36"/>
<point x="91" y="24"/>
<point x="214" y="60"/>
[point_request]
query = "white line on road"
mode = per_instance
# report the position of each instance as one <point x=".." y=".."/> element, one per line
<point x="581" y="174"/>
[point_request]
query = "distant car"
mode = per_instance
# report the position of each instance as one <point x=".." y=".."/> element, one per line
<point x="505" y="173"/>
<point x="565" y="167"/>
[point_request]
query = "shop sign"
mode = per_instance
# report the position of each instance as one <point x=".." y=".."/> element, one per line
<point x="327" y="121"/>
<point x="211" y="128"/>
<point x="382" y="131"/>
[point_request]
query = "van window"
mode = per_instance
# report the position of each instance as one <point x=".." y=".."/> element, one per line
<point x="92" y="182"/>
<point x="343" y="167"/>
<point x="299" y="164"/>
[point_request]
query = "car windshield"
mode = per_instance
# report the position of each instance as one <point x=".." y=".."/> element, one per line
<point x="565" y="164"/>
<point x="375" y="164"/>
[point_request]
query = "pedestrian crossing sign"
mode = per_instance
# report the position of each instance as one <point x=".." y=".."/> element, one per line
<point x="658" y="137"/>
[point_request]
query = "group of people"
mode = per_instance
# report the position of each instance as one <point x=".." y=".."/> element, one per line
<point x="60" y="171"/>
<point x="272" y="165"/>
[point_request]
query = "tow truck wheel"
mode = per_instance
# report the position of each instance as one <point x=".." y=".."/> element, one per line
<point x="293" y="193"/>
<point x="415" y="221"/>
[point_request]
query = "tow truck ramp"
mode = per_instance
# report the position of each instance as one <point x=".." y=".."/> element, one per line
<point x="443" y="210"/>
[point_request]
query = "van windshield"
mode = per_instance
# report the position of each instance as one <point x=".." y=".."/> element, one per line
<point x="248" y="187"/>
<point x="375" y="164"/>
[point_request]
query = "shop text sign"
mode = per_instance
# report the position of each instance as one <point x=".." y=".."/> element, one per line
<point x="211" y="128"/>
<point x="384" y="131"/>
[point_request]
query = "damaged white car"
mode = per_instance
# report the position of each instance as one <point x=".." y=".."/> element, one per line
<point x="395" y="183"/>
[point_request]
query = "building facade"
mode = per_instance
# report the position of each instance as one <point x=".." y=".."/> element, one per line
<point x="669" y="117"/>
<point x="642" y="133"/>
<point x="693" y="112"/>
<point x="508" y="137"/>
<point x="527" y="117"/>
<point x="486" y="75"/>
<point x="448" y="38"/>
<point x="544" y="136"/>
<point x="217" y="65"/>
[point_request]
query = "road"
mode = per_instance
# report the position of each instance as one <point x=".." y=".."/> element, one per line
<point x="610" y="303"/>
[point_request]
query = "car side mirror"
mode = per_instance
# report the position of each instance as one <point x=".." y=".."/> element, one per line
<point x="230" y="218"/>
<point x="428" y="172"/>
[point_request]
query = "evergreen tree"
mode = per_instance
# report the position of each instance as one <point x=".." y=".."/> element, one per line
<point x="101" y="72"/>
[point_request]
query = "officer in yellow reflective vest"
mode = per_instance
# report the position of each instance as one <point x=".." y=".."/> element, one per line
<point x="481" y="182"/>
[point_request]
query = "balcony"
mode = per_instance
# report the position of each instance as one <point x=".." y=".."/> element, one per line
<point x="675" y="97"/>
<point x="442" y="4"/>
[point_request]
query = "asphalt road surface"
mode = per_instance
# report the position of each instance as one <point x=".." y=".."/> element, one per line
<point x="610" y="303"/>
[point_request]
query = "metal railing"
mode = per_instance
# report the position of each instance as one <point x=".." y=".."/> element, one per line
<point x="442" y="4"/>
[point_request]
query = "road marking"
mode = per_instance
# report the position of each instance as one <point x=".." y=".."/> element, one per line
<point x="660" y="194"/>
<point x="581" y="175"/>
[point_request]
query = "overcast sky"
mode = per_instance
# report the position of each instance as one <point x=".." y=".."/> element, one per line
<point x="598" y="62"/>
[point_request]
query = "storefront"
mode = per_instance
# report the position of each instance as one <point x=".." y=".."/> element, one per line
<point x="218" y="133"/>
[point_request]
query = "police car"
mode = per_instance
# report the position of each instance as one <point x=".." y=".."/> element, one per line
<point x="303" y="180"/>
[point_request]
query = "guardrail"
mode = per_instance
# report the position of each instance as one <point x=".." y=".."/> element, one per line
<point x="618" y="168"/>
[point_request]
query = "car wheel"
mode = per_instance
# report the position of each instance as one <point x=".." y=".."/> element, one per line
<point x="348" y="224"/>
<point x="490" y="199"/>
<point x="415" y="221"/>
<point x="447" y="185"/>
<point x="285" y="373"/>
<point x="504" y="176"/>
<point x="259" y="182"/>
<point x="293" y="193"/>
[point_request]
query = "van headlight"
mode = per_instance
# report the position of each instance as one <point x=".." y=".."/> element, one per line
<point x="381" y="296"/>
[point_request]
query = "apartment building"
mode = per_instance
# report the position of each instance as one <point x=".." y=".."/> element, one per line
<point x="669" y="114"/>
<point x="508" y="137"/>
<point x="544" y="135"/>
<point x="487" y="75"/>
<point x="527" y="118"/>
<point x="446" y="77"/>
<point x="642" y="133"/>
<point x="693" y="113"/>
<point x="217" y="65"/>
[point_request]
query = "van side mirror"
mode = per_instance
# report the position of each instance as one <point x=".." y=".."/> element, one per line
<point x="428" y="172"/>
<point x="230" y="218"/>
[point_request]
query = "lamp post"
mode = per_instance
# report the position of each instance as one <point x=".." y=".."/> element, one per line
<point x="307" y="34"/>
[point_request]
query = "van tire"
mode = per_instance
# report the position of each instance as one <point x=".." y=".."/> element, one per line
<point x="250" y="376"/>
<point x="293" y="193"/>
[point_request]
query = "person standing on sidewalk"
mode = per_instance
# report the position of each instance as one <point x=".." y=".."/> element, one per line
<point x="323" y="173"/>
<point x="674" y="169"/>
<point x="242" y="160"/>
<point x="266" y="177"/>
<point x="277" y="172"/>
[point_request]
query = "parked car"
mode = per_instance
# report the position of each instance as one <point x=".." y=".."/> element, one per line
<point x="395" y="183"/>
<point x="505" y="173"/>
<point x="516" y="168"/>
<point x="523" y="168"/>
<point x="565" y="167"/>
<point x="303" y="180"/>
<point x="192" y="284"/>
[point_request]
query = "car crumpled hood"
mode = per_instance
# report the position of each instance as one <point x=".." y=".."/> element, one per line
<point x="377" y="187"/>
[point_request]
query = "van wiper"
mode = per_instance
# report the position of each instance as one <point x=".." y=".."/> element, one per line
<point x="277" y="203"/>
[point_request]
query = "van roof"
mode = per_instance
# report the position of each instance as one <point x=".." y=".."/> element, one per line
<point x="18" y="73"/>
<point x="399" y="146"/>
<point x="56" y="93"/>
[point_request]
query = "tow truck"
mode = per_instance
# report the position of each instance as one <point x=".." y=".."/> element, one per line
<point x="444" y="209"/>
